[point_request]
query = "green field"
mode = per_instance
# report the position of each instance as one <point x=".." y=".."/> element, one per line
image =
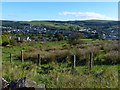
<point x="56" y="68"/>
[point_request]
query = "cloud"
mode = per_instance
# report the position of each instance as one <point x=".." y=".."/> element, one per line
<point x="87" y="15"/>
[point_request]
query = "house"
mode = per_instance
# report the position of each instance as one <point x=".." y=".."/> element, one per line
<point x="23" y="39"/>
<point x="110" y="37"/>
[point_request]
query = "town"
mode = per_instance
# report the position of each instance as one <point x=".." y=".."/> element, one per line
<point x="30" y="32"/>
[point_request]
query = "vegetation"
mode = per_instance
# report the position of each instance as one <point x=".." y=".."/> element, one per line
<point x="5" y="40"/>
<point x="60" y="76"/>
<point x="75" y="38"/>
<point x="56" y="68"/>
<point x="62" y="54"/>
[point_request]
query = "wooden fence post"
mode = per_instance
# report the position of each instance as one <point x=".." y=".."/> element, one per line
<point x="39" y="60"/>
<point x="91" y="57"/>
<point x="74" y="61"/>
<point x="22" y="59"/>
<point x="10" y="57"/>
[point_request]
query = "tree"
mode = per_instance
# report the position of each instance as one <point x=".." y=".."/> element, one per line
<point x="75" y="38"/>
<point x="5" y="40"/>
<point x="59" y="36"/>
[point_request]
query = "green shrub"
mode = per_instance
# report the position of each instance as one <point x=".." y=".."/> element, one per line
<point x="5" y="40"/>
<point x="75" y="39"/>
<point x="112" y="57"/>
<point x="13" y="42"/>
<point x="5" y="43"/>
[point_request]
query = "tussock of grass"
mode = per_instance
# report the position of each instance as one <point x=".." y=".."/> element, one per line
<point x="57" y="76"/>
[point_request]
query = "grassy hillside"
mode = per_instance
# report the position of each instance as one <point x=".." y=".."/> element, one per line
<point x="58" y="72"/>
<point x="66" y="25"/>
<point x="54" y="25"/>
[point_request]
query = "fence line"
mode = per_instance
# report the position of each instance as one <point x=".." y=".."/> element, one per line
<point x="39" y="59"/>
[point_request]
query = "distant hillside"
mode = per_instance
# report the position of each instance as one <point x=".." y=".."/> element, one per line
<point x="65" y="25"/>
<point x="88" y="28"/>
<point x="55" y="25"/>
